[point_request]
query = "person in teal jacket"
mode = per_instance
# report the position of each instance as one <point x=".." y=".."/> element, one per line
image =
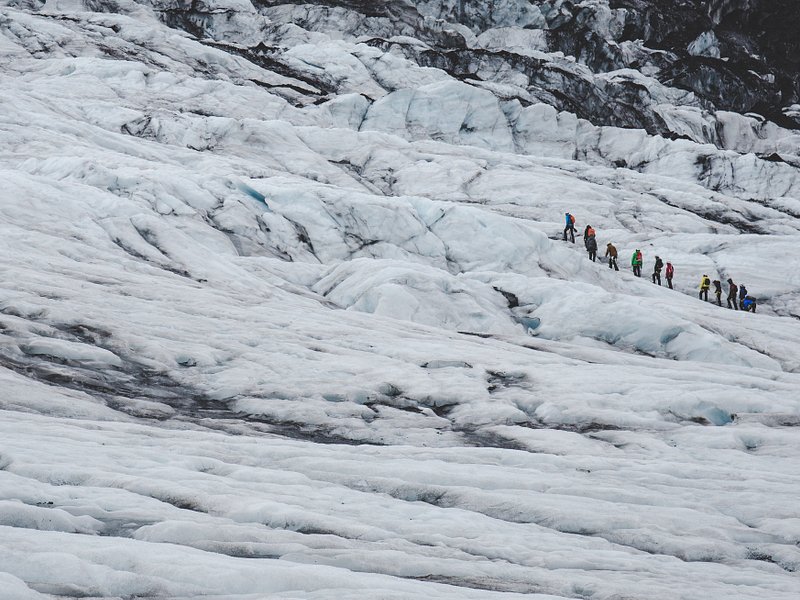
<point x="569" y="222"/>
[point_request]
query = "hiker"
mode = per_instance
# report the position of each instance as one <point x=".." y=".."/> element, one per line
<point x="742" y="295"/>
<point x="587" y="233"/>
<point x="591" y="247"/>
<point x="705" y="283"/>
<point x="636" y="262"/>
<point x="732" y="289"/>
<point x="657" y="270"/>
<point x="570" y="226"/>
<point x="669" y="273"/>
<point x="718" y="291"/>
<point x="749" y="304"/>
<point x="611" y="253"/>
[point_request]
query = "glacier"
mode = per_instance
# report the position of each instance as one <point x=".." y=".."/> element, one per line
<point x="286" y="311"/>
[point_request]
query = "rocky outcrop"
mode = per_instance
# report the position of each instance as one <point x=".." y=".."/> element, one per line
<point x="755" y="63"/>
<point x="614" y="62"/>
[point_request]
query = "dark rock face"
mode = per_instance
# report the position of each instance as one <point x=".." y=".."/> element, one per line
<point x="725" y="86"/>
<point x="737" y="55"/>
<point x="669" y="25"/>
<point x="759" y="64"/>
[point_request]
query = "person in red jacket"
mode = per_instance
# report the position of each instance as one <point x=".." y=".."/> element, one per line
<point x="669" y="273"/>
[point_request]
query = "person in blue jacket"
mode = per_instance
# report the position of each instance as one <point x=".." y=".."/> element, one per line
<point x="569" y="222"/>
<point x="749" y="303"/>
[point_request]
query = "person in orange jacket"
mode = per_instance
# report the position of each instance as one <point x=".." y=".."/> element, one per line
<point x="611" y="253"/>
<point x="591" y="248"/>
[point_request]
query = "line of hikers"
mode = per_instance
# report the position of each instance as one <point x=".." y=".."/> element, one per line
<point x="745" y="302"/>
<point x="738" y="298"/>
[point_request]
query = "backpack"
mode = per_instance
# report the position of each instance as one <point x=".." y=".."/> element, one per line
<point x="571" y="219"/>
<point x="589" y="232"/>
<point x="670" y="270"/>
<point x="638" y="258"/>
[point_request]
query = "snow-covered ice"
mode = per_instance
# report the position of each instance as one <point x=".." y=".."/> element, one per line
<point x="393" y="379"/>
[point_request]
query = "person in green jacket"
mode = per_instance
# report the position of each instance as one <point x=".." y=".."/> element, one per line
<point x="636" y="262"/>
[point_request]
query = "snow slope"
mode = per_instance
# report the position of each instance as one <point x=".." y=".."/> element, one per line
<point x="393" y="379"/>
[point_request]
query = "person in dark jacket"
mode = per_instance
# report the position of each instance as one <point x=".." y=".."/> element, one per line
<point x="718" y="291"/>
<point x="657" y="270"/>
<point x="570" y="227"/>
<point x="742" y="295"/>
<point x="591" y="247"/>
<point x="669" y="273"/>
<point x="732" y="289"/>
<point x="587" y="233"/>
<point x="611" y="253"/>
